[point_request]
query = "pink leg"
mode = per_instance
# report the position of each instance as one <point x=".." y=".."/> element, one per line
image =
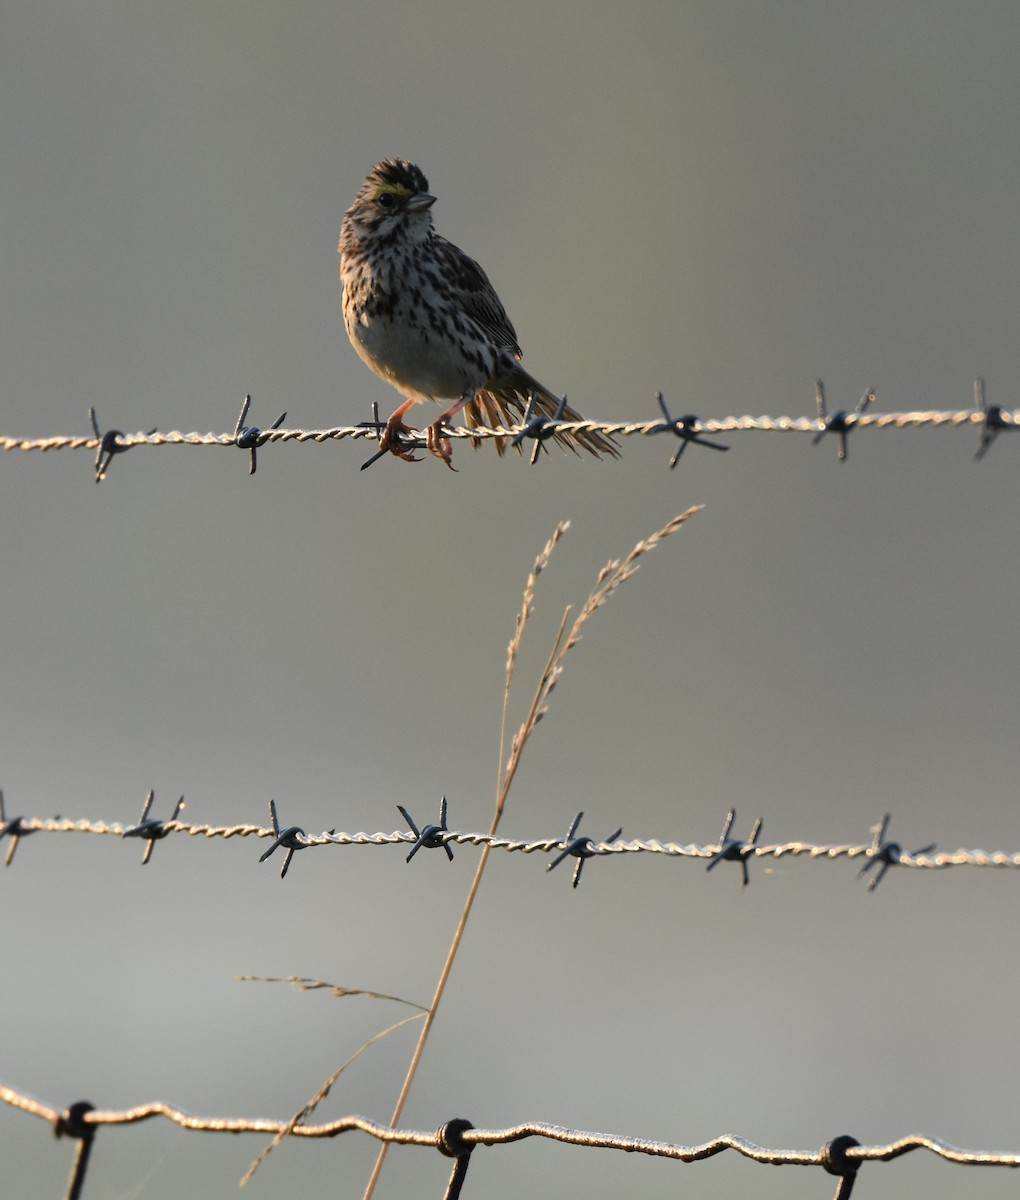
<point x="439" y="445"/>
<point x="394" y="428"/>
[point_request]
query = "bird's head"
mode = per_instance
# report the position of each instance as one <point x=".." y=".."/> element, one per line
<point x="395" y="197"/>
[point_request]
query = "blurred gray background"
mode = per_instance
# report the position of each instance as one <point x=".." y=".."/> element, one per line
<point x="718" y="200"/>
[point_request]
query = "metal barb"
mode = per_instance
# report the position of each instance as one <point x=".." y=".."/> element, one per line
<point x="10" y="828"/>
<point x="109" y="445"/>
<point x="14" y="831"/>
<point x="538" y="426"/>
<point x="733" y="849"/>
<point x="836" y="1161"/>
<point x="374" y="459"/>
<point x="151" y="830"/>
<point x="840" y="422"/>
<point x="14" y="828"/>
<point x="579" y="848"/>
<point x="993" y="422"/>
<point x="450" y="1142"/>
<point x="885" y="854"/>
<point x="685" y="429"/>
<point x="71" y="1123"/>
<point x="377" y="425"/>
<point x="250" y="437"/>
<point x="431" y="836"/>
<point x="397" y="440"/>
<point x="292" y="838"/>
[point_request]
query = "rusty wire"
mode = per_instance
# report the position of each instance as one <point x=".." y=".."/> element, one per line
<point x="842" y="1156"/>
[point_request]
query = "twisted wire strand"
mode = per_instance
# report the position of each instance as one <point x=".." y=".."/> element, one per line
<point x="931" y="860"/>
<point x="514" y="1133"/>
<point x="895" y="420"/>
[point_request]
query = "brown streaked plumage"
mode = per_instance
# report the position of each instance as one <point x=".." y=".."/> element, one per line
<point x="424" y="317"/>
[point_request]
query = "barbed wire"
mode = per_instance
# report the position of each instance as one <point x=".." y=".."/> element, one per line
<point x="689" y="429"/>
<point x="458" y="1138"/>
<point x="880" y="853"/>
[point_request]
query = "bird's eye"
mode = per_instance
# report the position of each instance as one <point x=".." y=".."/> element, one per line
<point x="386" y="200"/>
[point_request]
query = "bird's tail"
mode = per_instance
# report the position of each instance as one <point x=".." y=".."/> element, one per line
<point x="507" y="405"/>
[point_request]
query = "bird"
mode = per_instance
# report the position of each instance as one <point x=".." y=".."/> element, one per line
<point x="424" y="317"/>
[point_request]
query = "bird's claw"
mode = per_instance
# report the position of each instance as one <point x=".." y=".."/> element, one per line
<point x="393" y="439"/>
<point x="438" y="444"/>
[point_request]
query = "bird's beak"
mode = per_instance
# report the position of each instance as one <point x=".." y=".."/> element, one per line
<point x="421" y="201"/>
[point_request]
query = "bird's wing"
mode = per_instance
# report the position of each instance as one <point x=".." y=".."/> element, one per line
<point x="476" y="295"/>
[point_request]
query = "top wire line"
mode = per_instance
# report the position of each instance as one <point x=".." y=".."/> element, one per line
<point x="689" y="429"/>
<point x="876" y="856"/>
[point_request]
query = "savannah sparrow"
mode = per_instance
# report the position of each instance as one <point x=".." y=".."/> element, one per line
<point x="425" y="318"/>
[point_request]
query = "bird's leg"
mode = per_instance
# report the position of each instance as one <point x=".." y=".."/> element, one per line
<point x="439" y="445"/>
<point x="395" y="428"/>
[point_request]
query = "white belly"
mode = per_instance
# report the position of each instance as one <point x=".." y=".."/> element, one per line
<point x="414" y="361"/>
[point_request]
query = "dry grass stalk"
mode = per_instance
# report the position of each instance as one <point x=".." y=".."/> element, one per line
<point x="321" y="1095"/>
<point x="609" y="579"/>
<point x="335" y="989"/>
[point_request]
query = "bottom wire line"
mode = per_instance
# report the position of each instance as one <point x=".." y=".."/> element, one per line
<point x="96" y="1118"/>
